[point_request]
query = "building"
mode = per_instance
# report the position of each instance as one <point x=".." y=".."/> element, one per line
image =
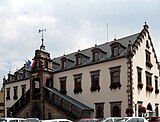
<point x="117" y="78"/>
<point x="1" y="104"/>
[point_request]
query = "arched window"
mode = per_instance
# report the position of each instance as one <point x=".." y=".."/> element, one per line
<point x="149" y="107"/>
<point x="116" y="111"/>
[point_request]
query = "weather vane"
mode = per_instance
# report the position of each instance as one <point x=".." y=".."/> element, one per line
<point x="42" y="47"/>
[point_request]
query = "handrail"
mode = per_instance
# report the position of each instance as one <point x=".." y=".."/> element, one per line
<point x="20" y="103"/>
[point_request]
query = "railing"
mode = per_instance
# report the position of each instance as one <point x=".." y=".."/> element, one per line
<point x="70" y="106"/>
<point x="20" y="103"/>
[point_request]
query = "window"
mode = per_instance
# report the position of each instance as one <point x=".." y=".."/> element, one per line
<point x="79" y="60"/>
<point x="23" y="89"/>
<point x="36" y="89"/>
<point x="115" y="51"/>
<point x="156" y="82"/>
<point x="95" y="81"/>
<point x="15" y="92"/>
<point x="78" y="83"/>
<point x="139" y="76"/>
<point x="2" y="104"/>
<point x="139" y="73"/>
<point x="115" y="77"/>
<point x="147" y="44"/>
<point x="99" y="107"/>
<point x="46" y="64"/>
<point x="49" y="115"/>
<point x="156" y="85"/>
<point x="37" y="63"/>
<point x="115" y="109"/>
<point x="156" y="110"/>
<point x="96" y="56"/>
<point x="24" y="73"/>
<point x="64" y="64"/>
<point x="96" y="53"/>
<point x="149" y="82"/>
<point x="63" y="81"/>
<point x="8" y="94"/>
<point x="49" y="82"/>
<point x="148" y="59"/>
<point x="148" y="79"/>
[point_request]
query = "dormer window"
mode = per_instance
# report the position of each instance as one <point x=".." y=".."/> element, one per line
<point x="64" y="64"/>
<point x="79" y="60"/>
<point x="117" y="48"/>
<point x="115" y="51"/>
<point x="96" y="56"/>
<point x="97" y="53"/>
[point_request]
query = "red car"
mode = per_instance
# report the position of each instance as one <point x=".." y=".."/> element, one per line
<point x="154" y="119"/>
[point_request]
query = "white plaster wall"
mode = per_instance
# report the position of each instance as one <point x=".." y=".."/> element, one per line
<point x="9" y="103"/>
<point x="106" y="94"/>
<point x="140" y="60"/>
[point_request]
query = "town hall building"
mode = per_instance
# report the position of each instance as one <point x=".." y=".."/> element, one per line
<point x="116" y="78"/>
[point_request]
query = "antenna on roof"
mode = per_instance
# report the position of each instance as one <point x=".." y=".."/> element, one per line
<point x="107" y="32"/>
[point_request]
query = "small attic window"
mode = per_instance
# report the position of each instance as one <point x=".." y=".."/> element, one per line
<point x="115" y="51"/>
<point x="96" y="56"/>
<point x="78" y="60"/>
<point x="147" y="44"/>
<point x="115" y="48"/>
<point x="64" y="64"/>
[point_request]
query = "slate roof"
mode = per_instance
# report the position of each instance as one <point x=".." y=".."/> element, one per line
<point x="104" y="47"/>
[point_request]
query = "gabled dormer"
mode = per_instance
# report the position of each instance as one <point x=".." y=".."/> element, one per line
<point x="80" y="58"/>
<point x="65" y="62"/>
<point x="97" y="53"/>
<point x="116" y="49"/>
<point x="11" y="77"/>
<point x="18" y="75"/>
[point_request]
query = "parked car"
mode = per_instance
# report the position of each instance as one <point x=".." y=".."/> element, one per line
<point x="154" y="119"/>
<point x="57" y="120"/>
<point x="112" y="119"/>
<point x="125" y="119"/>
<point x="32" y="120"/>
<point x="134" y="119"/>
<point x="11" y="119"/>
<point x="88" y="120"/>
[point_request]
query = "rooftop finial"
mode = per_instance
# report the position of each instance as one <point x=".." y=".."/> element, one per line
<point x="42" y="47"/>
<point x="145" y="25"/>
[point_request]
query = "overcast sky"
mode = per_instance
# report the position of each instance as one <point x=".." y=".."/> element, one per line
<point x="71" y="25"/>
